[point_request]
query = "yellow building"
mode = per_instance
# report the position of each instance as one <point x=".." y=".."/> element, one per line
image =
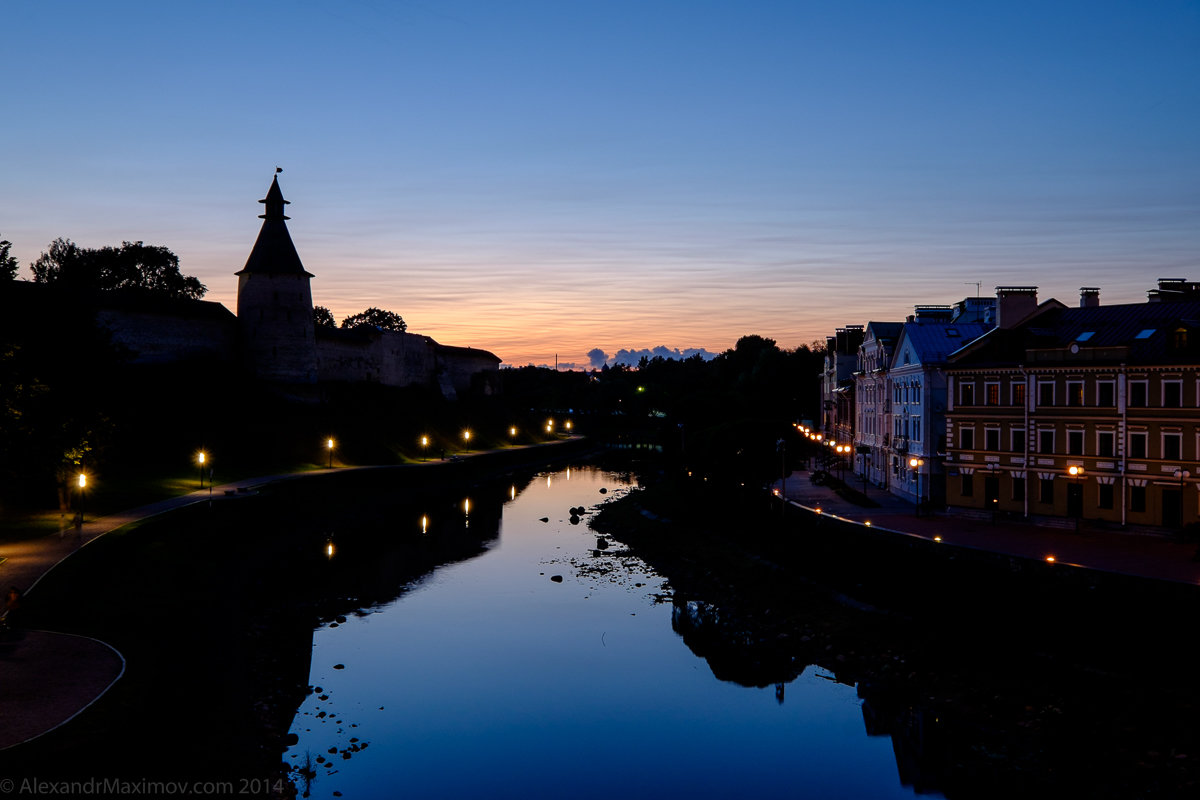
<point x="1091" y="413"/>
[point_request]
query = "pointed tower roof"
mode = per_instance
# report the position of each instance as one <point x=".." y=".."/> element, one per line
<point x="273" y="251"/>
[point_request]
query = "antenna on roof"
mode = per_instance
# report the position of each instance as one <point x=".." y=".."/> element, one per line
<point x="976" y="284"/>
<point x="278" y="170"/>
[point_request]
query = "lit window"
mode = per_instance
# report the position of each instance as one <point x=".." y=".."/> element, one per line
<point x="1083" y="337"/>
<point x="1145" y="334"/>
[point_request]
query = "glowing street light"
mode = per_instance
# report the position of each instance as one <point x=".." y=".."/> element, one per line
<point x="916" y="464"/>
<point x="467" y="440"/>
<point x="82" y="482"/>
<point x="200" y="458"/>
<point x="1076" y="472"/>
<point x="329" y="447"/>
<point x="568" y="426"/>
<point x="424" y="447"/>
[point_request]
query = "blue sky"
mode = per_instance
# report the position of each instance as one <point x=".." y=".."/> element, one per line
<point x="542" y="178"/>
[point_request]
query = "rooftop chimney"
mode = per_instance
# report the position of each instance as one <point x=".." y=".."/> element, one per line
<point x="1089" y="296"/>
<point x="1013" y="304"/>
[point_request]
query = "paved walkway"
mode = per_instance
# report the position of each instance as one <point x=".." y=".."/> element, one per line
<point x="47" y="678"/>
<point x="1145" y="554"/>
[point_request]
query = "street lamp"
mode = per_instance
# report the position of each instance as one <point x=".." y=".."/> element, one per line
<point x="329" y="447"/>
<point x="200" y="459"/>
<point x="1075" y="472"/>
<point x="82" y="486"/>
<point x="915" y="464"/>
<point x="424" y="447"/>
<point x="1182" y="475"/>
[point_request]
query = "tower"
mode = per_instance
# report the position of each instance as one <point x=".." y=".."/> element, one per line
<point x="274" y="303"/>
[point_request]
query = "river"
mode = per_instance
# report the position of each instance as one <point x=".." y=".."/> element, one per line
<point x="547" y="666"/>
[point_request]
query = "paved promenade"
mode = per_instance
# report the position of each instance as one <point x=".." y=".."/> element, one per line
<point x="1148" y="555"/>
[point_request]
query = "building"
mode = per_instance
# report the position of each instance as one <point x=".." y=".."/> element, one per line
<point x="917" y="385"/>
<point x="273" y="339"/>
<point x="1087" y="413"/>
<point x="837" y="384"/>
<point x="872" y="401"/>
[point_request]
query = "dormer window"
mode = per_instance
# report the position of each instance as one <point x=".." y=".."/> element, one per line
<point x="1181" y="338"/>
<point x="1145" y="334"/>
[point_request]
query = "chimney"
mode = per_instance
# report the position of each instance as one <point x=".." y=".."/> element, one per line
<point x="1013" y="304"/>
<point x="1089" y="296"/>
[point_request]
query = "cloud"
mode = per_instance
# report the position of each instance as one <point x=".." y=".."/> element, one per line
<point x="631" y="358"/>
<point x="597" y="358"/>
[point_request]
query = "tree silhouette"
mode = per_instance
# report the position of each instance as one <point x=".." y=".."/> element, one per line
<point x="376" y="318"/>
<point x="8" y="262"/>
<point x="323" y="317"/>
<point x="133" y="265"/>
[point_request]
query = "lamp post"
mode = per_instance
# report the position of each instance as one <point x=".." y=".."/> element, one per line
<point x="1075" y="473"/>
<point x="329" y="447"/>
<point x="200" y="460"/>
<point x="424" y="447"/>
<point x="915" y="464"/>
<point x="1182" y="475"/>
<point x="82" y="485"/>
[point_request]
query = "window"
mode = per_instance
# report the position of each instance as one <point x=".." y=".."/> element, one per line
<point x="991" y="394"/>
<point x="1083" y="337"/>
<point x="1137" y="498"/>
<point x="1018" y="440"/>
<point x="968" y="485"/>
<point x="916" y="392"/>
<point x="916" y="429"/>
<point x="1105" y="495"/>
<point x="1075" y="443"/>
<point x="1018" y="489"/>
<point x="1074" y="393"/>
<point x="1106" y="443"/>
<point x="1145" y="333"/>
<point x="1181" y="338"/>
<point x="1137" y="444"/>
<point x="1172" y="394"/>
<point x="1106" y="393"/>
<point x="1137" y="394"/>
<point x="1046" y="440"/>
<point x="1045" y="393"/>
<point x="1046" y="491"/>
<point x="966" y="394"/>
<point x="1172" y="446"/>
<point x="966" y="438"/>
<point x="991" y="439"/>
<point x="1018" y="394"/>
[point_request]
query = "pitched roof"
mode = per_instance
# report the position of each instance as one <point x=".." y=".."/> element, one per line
<point x="1142" y="333"/>
<point x="933" y="342"/>
<point x="274" y="253"/>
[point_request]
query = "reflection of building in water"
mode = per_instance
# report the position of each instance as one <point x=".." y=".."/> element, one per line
<point x="918" y="741"/>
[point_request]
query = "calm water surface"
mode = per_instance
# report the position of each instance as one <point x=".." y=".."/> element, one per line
<point x="488" y="678"/>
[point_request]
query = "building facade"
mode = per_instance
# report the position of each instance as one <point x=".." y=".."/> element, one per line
<point x="1087" y="413"/>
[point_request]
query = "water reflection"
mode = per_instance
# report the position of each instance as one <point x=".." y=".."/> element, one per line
<point x="538" y="655"/>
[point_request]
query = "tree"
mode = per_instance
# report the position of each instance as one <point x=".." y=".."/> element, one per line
<point x="133" y="265"/>
<point x="8" y="262"/>
<point x="376" y="318"/>
<point x="323" y="317"/>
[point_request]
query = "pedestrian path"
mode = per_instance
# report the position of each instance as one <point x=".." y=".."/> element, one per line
<point x="1147" y="555"/>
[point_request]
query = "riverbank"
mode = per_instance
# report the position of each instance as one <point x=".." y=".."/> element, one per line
<point x="993" y="677"/>
<point x="180" y="584"/>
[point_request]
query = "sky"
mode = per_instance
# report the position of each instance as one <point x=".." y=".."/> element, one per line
<point x="564" y="180"/>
